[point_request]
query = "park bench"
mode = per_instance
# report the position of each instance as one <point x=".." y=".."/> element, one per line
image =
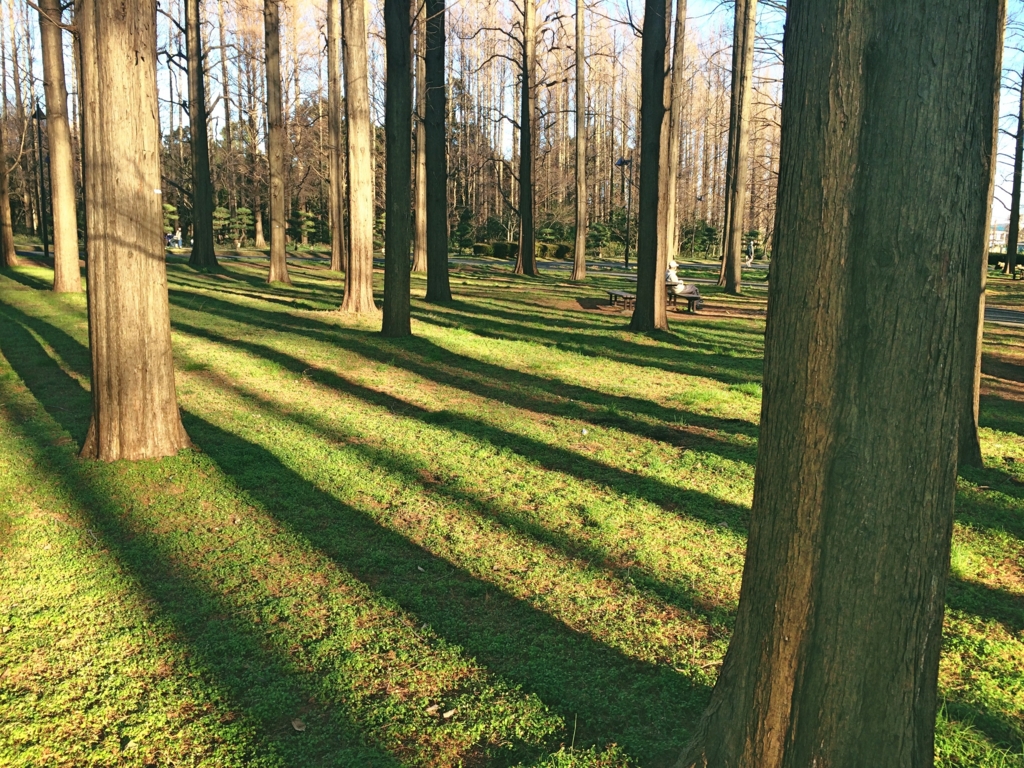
<point x="628" y="300"/>
<point x="693" y="303"/>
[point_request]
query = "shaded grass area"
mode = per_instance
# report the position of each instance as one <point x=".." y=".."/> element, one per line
<point x="515" y="539"/>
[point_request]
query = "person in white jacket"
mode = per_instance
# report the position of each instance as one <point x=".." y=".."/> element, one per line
<point x="677" y="286"/>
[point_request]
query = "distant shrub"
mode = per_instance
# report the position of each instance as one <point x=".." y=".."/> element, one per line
<point x="483" y="249"/>
<point x="505" y="250"/>
<point x="562" y="250"/>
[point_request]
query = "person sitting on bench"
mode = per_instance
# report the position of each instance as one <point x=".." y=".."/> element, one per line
<point x="674" y="285"/>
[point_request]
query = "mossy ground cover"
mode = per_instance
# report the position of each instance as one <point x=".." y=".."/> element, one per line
<point x="514" y="539"/>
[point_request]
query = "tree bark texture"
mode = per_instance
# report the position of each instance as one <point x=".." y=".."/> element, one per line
<point x="649" y="311"/>
<point x="203" y="256"/>
<point x="736" y="166"/>
<point x="275" y="143"/>
<point x="438" y="285"/>
<point x="579" y="262"/>
<point x="526" y="263"/>
<point x="135" y="411"/>
<point x="675" y="130"/>
<point x="419" y="248"/>
<point x="8" y="256"/>
<point x="398" y="169"/>
<point x="67" y="275"/>
<point x="359" y="275"/>
<point x="886" y="168"/>
<point x="339" y="255"/>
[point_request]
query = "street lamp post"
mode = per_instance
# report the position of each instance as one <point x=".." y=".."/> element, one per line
<point x="39" y="116"/>
<point x="622" y="163"/>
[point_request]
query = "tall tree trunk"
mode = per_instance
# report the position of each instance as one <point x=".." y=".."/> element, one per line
<point x="675" y="130"/>
<point x="1013" y="233"/>
<point x="419" y="248"/>
<point x="526" y="263"/>
<point x="135" y="410"/>
<point x="8" y="256"/>
<point x="67" y="276"/>
<point x="834" y="657"/>
<point x="337" y="165"/>
<point x="649" y="311"/>
<point x="225" y="91"/>
<point x="579" y="262"/>
<point x="398" y="168"/>
<point x="359" y="275"/>
<point x="736" y="170"/>
<point x="275" y="143"/>
<point x="202" y="256"/>
<point x="438" y="286"/>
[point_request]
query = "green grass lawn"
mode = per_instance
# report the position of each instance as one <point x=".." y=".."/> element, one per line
<point x="514" y="539"/>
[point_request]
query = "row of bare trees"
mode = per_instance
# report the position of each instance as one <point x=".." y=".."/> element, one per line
<point x="213" y="74"/>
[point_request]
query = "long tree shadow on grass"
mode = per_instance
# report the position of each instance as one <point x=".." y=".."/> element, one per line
<point x="640" y="706"/>
<point x="612" y="698"/>
<point x="224" y="651"/>
<point x="587" y="555"/>
<point x="691" y="503"/>
<point x="692" y="356"/>
<point x="528" y="391"/>
<point x="31" y="281"/>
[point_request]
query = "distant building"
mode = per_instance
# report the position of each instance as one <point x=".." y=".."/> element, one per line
<point x="997" y="234"/>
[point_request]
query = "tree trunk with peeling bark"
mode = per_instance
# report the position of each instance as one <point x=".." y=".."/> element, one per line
<point x="275" y="143"/>
<point x="736" y="170"/>
<point x="649" y="310"/>
<point x="135" y="411"/>
<point x="359" y="275"/>
<point x="203" y="256"/>
<point x="398" y="170"/>
<point x="67" y="275"/>
<point x="835" y="652"/>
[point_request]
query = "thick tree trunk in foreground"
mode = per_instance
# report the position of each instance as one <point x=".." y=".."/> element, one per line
<point x="649" y="311"/>
<point x="202" y="256"/>
<point x="135" y="412"/>
<point x="67" y="276"/>
<point x="438" y="286"/>
<point x="834" y="657"/>
<point x="675" y="130"/>
<point x="579" y="262"/>
<point x="339" y="255"/>
<point x="419" y="247"/>
<point x="8" y="256"/>
<point x="526" y="263"/>
<point x="359" y="275"/>
<point x="398" y="171"/>
<point x="736" y="170"/>
<point x="275" y="143"/>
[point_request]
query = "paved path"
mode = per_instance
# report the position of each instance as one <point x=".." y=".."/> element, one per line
<point x="1001" y="316"/>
